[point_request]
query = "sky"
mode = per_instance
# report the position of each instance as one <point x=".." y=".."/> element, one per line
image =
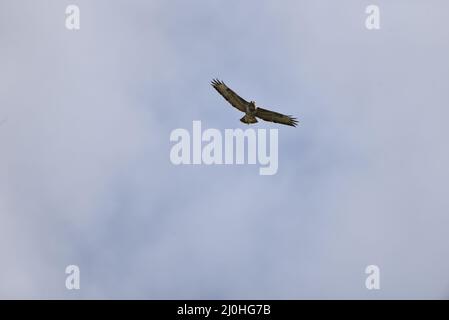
<point x="86" y="178"/>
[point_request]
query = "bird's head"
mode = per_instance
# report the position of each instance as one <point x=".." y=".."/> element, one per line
<point x="253" y="103"/>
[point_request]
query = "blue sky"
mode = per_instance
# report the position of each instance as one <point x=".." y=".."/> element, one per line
<point x="86" y="179"/>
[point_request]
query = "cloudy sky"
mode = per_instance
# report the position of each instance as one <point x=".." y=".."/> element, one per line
<point x="86" y="178"/>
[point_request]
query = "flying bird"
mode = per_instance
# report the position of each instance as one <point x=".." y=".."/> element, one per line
<point x="249" y="108"/>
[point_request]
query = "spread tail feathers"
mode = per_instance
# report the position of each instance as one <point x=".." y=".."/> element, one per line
<point x="248" y="119"/>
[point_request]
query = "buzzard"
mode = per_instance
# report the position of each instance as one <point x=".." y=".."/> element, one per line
<point x="251" y="111"/>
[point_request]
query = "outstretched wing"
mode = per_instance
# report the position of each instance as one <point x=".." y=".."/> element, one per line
<point x="272" y="116"/>
<point x="233" y="98"/>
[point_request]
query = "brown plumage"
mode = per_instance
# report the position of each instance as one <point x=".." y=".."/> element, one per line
<point x="249" y="108"/>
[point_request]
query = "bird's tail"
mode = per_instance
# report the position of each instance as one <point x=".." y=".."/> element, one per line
<point x="248" y="119"/>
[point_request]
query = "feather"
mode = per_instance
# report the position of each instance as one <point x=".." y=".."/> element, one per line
<point x="233" y="98"/>
<point x="276" y="117"/>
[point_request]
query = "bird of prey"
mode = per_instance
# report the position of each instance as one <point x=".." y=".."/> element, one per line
<point x="249" y="108"/>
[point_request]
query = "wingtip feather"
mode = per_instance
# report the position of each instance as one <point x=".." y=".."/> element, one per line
<point x="216" y="82"/>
